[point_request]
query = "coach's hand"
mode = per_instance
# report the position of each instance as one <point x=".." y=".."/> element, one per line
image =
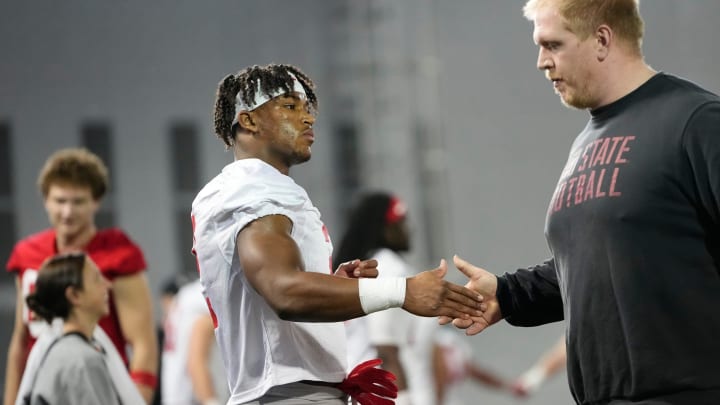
<point x="484" y="283"/>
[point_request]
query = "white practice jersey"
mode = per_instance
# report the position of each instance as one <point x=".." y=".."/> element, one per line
<point x="188" y="307"/>
<point x="411" y="334"/>
<point x="358" y="342"/>
<point x="259" y="349"/>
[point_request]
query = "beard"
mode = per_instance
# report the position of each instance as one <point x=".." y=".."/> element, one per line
<point x="578" y="96"/>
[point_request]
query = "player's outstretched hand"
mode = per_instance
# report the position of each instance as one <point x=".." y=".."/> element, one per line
<point x="428" y="294"/>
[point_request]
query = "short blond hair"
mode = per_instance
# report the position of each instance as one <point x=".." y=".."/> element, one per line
<point x="75" y="167"/>
<point x="582" y="17"/>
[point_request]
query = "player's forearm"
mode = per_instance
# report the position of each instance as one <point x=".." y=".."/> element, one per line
<point x="143" y="366"/>
<point x="202" y="384"/>
<point x="485" y="377"/>
<point x="13" y="371"/>
<point x="314" y="297"/>
<point x="146" y="392"/>
<point x="12" y="383"/>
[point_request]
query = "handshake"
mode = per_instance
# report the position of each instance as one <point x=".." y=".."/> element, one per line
<point x="473" y="307"/>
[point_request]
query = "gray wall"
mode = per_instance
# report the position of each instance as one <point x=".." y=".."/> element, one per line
<point x="501" y="134"/>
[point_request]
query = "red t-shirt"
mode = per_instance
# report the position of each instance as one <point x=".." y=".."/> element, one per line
<point x="113" y="252"/>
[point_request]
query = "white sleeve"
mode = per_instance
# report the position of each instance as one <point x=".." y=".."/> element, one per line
<point x="249" y="202"/>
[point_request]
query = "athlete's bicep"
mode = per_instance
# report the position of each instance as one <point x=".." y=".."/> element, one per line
<point x="268" y="254"/>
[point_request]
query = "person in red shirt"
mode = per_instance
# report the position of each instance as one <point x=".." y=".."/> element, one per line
<point x="73" y="182"/>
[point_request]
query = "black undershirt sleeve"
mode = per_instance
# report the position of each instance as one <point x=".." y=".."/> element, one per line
<point x="530" y="297"/>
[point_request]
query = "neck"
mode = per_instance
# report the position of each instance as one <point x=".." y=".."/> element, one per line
<point x="81" y="323"/>
<point x="78" y="241"/>
<point x="624" y="79"/>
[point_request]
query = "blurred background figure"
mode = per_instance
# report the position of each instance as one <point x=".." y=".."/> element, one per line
<point x="168" y="290"/>
<point x="453" y="364"/>
<point x="192" y="370"/>
<point x="549" y="364"/>
<point x="73" y="367"/>
<point x="377" y="229"/>
<point x="73" y="182"/>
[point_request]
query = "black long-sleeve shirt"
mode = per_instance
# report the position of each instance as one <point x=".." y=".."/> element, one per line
<point x="634" y="232"/>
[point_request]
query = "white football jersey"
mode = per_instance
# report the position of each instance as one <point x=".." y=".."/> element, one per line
<point x="358" y="342"/>
<point x="259" y="349"/>
<point x="188" y="306"/>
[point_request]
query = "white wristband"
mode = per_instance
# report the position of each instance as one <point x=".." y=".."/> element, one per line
<point x="533" y="378"/>
<point x="377" y="294"/>
<point x="211" y="401"/>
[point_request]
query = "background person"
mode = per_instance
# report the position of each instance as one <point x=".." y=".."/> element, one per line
<point x="377" y="229"/>
<point x="453" y="364"/>
<point x="73" y="369"/>
<point x="550" y="363"/>
<point x="73" y="182"/>
<point x="192" y="370"/>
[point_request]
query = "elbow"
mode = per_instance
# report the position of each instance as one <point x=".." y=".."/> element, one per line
<point x="286" y="315"/>
<point x="288" y="309"/>
<point x="288" y="301"/>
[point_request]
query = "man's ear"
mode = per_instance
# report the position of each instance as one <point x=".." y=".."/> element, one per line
<point x="603" y="41"/>
<point x="246" y="121"/>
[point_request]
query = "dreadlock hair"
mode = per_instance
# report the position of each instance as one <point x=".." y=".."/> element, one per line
<point x="365" y="231"/>
<point x="48" y="301"/>
<point x="245" y="82"/>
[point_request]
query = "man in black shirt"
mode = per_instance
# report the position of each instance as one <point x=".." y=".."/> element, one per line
<point x="634" y="222"/>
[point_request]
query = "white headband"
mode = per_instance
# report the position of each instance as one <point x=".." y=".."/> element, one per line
<point x="262" y="98"/>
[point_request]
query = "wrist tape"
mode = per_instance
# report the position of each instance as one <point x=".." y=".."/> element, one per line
<point x="377" y="294"/>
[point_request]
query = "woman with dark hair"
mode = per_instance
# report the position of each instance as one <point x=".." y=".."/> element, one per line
<point x="73" y="369"/>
